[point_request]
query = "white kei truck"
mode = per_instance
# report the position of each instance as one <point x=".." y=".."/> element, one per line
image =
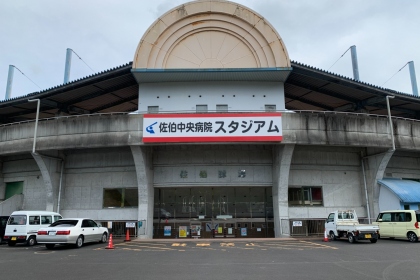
<point x="344" y="223"/>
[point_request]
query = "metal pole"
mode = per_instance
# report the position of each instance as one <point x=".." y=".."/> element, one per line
<point x="68" y="65"/>
<point x="366" y="192"/>
<point x="59" y="187"/>
<point x="413" y="78"/>
<point x="354" y="63"/>
<point x="9" y="82"/>
<point x="390" y="121"/>
<point x="36" y="121"/>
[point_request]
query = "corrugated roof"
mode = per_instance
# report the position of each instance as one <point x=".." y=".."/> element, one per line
<point x="305" y="88"/>
<point x="199" y="75"/>
<point x="406" y="190"/>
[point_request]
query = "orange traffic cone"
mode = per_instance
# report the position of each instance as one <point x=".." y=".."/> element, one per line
<point x="325" y="236"/>
<point x="110" y="244"/>
<point x="127" y="236"/>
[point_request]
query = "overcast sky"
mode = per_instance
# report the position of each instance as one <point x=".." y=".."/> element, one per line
<point x="34" y="36"/>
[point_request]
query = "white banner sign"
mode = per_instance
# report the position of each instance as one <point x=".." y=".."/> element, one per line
<point x="229" y="127"/>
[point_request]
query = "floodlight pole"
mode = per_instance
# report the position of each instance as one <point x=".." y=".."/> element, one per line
<point x="354" y="63"/>
<point x="68" y="65"/>
<point x="36" y="121"/>
<point x="9" y="82"/>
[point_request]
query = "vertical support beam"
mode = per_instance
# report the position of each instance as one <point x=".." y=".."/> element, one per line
<point x="68" y="66"/>
<point x="143" y="164"/>
<point x="282" y="159"/>
<point x="43" y="165"/>
<point x="375" y="166"/>
<point x="391" y="126"/>
<point x="413" y="78"/>
<point x="9" y="82"/>
<point x="354" y="63"/>
<point x="36" y="122"/>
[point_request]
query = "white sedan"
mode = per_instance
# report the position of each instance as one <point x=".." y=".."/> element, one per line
<point x="76" y="231"/>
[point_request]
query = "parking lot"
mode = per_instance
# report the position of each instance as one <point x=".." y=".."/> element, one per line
<point x="288" y="258"/>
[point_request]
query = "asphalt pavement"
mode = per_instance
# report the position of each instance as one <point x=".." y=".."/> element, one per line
<point x="279" y="258"/>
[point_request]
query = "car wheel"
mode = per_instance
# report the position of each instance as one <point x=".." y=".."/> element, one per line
<point x="31" y="241"/>
<point x="374" y="240"/>
<point x="104" y="238"/>
<point x="49" y="246"/>
<point x="351" y="238"/>
<point x="412" y="237"/>
<point x="333" y="236"/>
<point x="79" y="241"/>
<point x="11" y="243"/>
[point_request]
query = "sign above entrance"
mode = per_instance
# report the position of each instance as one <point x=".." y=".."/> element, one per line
<point x="235" y="127"/>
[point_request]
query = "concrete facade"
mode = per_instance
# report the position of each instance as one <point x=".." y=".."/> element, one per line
<point x="331" y="163"/>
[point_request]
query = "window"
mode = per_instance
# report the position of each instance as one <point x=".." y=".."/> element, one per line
<point x="34" y="220"/>
<point x="305" y="196"/>
<point x="222" y="108"/>
<point x="406" y="207"/>
<point x="152" y="109"/>
<point x="270" y="108"/>
<point x="120" y="198"/>
<point x="46" y="220"/>
<point x="201" y="108"/>
<point x="17" y="220"/>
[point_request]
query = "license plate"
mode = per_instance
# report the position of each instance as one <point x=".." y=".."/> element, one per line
<point x="51" y="233"/>
<point x="14" y="238"/>
<point x="368" y="236"/>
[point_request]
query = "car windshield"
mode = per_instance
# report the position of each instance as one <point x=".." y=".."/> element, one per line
<point x="64" y="223"/>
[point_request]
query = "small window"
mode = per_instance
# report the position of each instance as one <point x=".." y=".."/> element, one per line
<point x="222" y="108"/>
<point x="34" y="220"/>
<point x="406" y="207"/>
<point x="56" y="218"/>
<point x="331" y="218"/>
<point x="305" y="196"/>
<point x="120" y="198"/>
<point x="270" y="108"/>
<point x="152" y="109"/>
<point x="201" y="108"/>
<point x="386" y="217"/>
<point x="46" y="220"/>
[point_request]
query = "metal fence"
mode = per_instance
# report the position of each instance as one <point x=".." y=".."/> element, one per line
<point x="306" y="227"/>
<point x="119" y="228"/>
<point x="315" y="227"/>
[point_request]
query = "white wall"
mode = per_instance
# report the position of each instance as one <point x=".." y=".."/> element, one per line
<point x="388" y="200"/>
<point x="239" y="96"/>
<point x="337" y="170"/>
<point x="87" y="173"/>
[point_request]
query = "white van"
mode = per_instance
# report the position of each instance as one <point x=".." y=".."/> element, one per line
<point x="23" y="226"/>
<point x="399" y="224"/>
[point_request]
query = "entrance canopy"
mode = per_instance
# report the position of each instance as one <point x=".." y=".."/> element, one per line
<point x="406" y="190"/>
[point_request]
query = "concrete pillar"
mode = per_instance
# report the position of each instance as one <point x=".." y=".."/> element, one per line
<point x="2" y="184"/>
<point x="50" y="171"/>
<point x="375" y="166"/>
<point x="144" y="170"/>
<point x="282" y="158"/>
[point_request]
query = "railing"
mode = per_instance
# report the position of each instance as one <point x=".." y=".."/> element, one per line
<point x="195" y="112"/>
<point x="11" y="204"/>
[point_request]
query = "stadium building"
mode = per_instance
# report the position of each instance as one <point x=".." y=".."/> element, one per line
<point x="210" y="131"/>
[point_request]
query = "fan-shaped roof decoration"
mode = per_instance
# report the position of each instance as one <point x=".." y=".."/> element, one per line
<point x="211" y="34"/>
